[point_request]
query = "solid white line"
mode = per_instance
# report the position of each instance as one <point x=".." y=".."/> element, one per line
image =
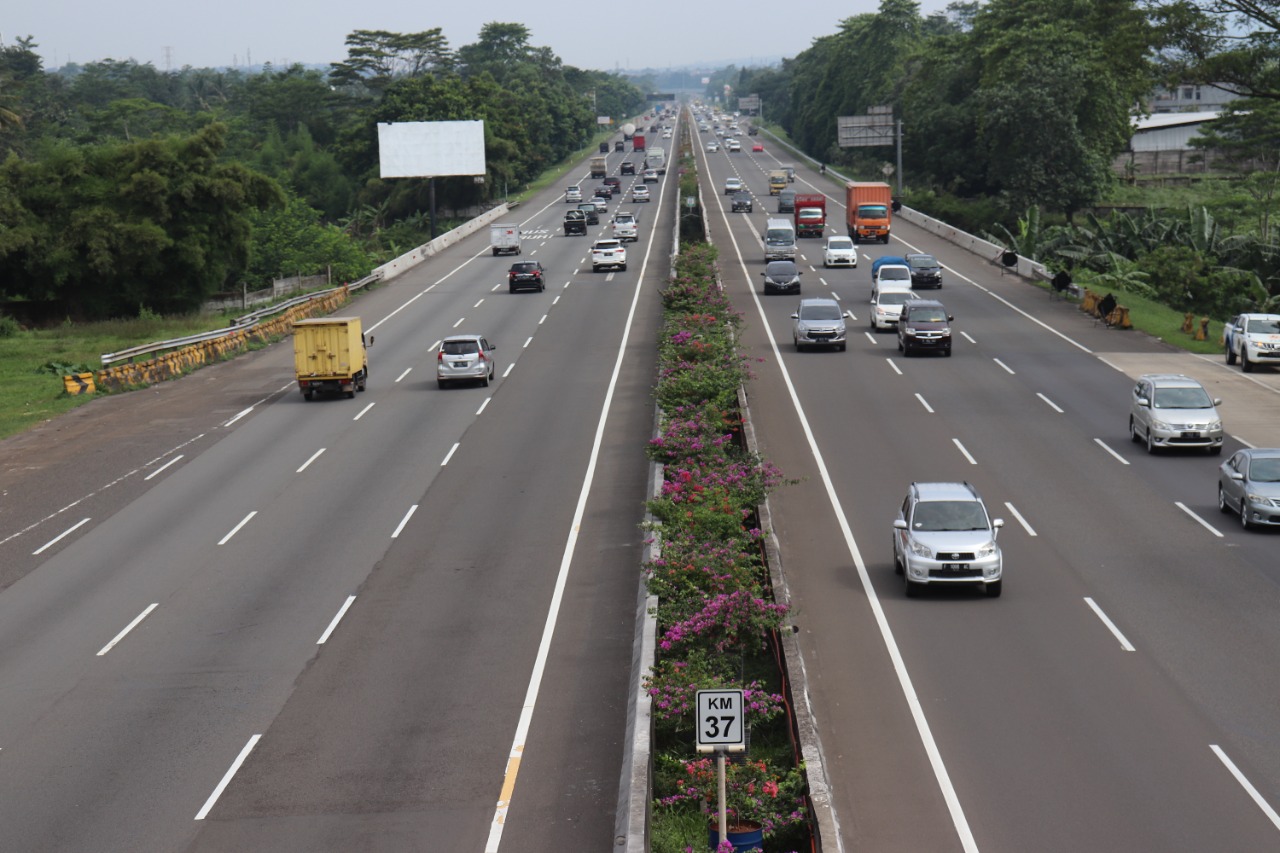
<point x="527" y="342"/>
<point x="927" y="407"/>
<point x="64" y="534"/>
<point x="1111" y="626"/>
<point x="870" y="337"/>
<point x="449" y="455"/>
<point x="957" y="443"/>
<point x="482" y="405"/>
<point x="363" y="411"/>
<point x="336" y="619"/>
<point x="226" y="780"/>
<point x="1206" y="525"/>
<point x="127" y="629"/>
<point x="408" y="515"/>
<point x="1005" y="366"/>
<point x="543" y="320"/>
<point x="478" y="304"/>
<point x="314" y="457"/>
<point x="1103" y="445"/>
<point x="562" y="577"/>
<point x="1112" y="366"/>
<point x="1052" y="404"/>
<point x="403" y="375"/>
<point x="894" y="366"/>
<point x="930" y="746"/>
<point x="225" y="539"/>
<point x="459" y="323"/>
<point x="1021" y="520"/>
<point x="1248" y="787"/>
<point x="162" y="467"/>
<point x="510" y="367"/>
<point x="967" y="338"/>
<point x="238" y="417"/>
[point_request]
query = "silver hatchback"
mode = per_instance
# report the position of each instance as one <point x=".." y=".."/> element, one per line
<point x="465" y="358"/>
<point x="943" y="535"/>
<point x="1172" y="410"/>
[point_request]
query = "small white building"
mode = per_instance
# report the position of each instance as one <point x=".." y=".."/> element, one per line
<point x="1161" y="144"/>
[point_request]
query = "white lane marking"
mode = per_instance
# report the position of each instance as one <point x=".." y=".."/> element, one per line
<point x="491" y="290"/>
<point x="543" y="320"/>
<point x="460" y="322"/>
<point x="923" y="402"/>
<point x="851" y="316"/>
<point x="157" y="472"/>
<point x="1021" y="520"/>
<point x="225" y="539"/>
<point x="870" y="337"/>
<point x="363" y="411"/>
<point x="835" y="295"/>
<point x="1104" y="446"/>
<point x="314" y="457"/>
<point x="1111" y="626"/>
<point x="478" y="304"/>
<point x="1052" y="404"/>
<point x="342" y="611"/>
<point x="824" y="281"/>
<point x="1109" y="364"/>
<point x="510" y="367"/>
<point x="63" y="535"/>
<point x="1206" y="525"/>
<point x="967" y="338"/>
<point x="566" y="286"/>
<point x="482" y="405"/>
<point x="557" y="299"/>
<point x="127" y="628"/>
<point x="226" y="779"/>
<point x="894" y="366"/>
<point x="1007" y="368"/>
<point x="434" y="346"/>
<point x="403" y="375"/>
<point x="954" y="808"/>
<point x="526" y="343"/>
<point x="1248" y="787"/>
<point x="957" y="443"/>
<point x="449" y="455"/>
<point x="408" y="515"/>
<point x="562" y="578"/>
<point x="238" y="417"/>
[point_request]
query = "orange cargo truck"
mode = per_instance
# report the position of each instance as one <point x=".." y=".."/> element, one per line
<point x="868" y="206"/>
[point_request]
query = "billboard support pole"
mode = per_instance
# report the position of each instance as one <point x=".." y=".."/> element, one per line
<point x="431" y="193"/>
<point x="899" y="158"/>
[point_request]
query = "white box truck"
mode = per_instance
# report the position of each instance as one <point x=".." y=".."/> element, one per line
<point x="504" y="238"/>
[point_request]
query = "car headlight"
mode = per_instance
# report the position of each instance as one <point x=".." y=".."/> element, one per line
<point x="920" y="549"/>
<point x="910" y="331"/>
<point x="1262" y="500"/>
<point x="988" y="550"/>
<point x="1159" y="425"/>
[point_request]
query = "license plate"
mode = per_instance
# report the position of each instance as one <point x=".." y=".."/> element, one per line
<point x="955" y="567"/>
<point x="1191" y="434"/>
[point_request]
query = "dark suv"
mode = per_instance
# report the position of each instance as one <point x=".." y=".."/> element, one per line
<point x="575" y="222"/>
<point x="627" y="168"/>
<point x="781" y="277"/>
<point x="924" y="325"/>
<point x="526" y="274"/>
<point x="742" y="202"/>
<point x="925" y="270"/>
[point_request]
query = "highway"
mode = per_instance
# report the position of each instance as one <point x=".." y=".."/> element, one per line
<point x="397" y="622"/>
<point x="1120" y="695"/>
<point x="231" y="619"/>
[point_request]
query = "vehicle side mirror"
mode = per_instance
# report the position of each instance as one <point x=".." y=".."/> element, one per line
<point x="1217" y="401"/>
<point x="795" y="316"/>
<point x="950" y="318"/>
<point x="997" y="523"/>
<point x="1236" y="475"/>
<point x="899" y="524"/>
<point x="1144" y="402"/>
<point x="370" y="340"/>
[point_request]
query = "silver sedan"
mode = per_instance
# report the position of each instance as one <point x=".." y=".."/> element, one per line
<point x="1249" y="486"/>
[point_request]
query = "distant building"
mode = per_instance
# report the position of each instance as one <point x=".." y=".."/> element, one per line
<point x="1189" y="98"/>
<point x="1161" y="145"/>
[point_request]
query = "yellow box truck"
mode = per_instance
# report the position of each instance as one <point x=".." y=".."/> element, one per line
<point x="329" y="355"/>
<point x="777" y="181"/>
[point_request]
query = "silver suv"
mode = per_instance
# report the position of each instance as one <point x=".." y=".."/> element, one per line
<point x="818" y="322"/>
<point x="943" y="535"/>
<point x="1172" y="410"/>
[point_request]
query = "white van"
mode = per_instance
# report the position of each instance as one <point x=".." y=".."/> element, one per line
<point x="779" y="239"/>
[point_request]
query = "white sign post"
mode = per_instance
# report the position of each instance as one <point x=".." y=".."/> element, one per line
<point x="720" y="730"/>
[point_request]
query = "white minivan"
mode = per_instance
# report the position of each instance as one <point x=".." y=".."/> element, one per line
<point x="779" y="240"/>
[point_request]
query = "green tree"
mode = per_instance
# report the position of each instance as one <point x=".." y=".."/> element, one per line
<point x="376" y="58"/>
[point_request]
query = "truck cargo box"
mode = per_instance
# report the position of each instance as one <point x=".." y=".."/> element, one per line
<point x="329" y="355"/>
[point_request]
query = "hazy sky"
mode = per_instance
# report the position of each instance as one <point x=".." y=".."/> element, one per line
<point x="634" y="35"/>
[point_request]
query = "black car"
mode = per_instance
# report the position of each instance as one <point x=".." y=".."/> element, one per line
<point x="605" y="190"/>
<point x="604" y="148"/>
<point x="528" y="274"/>
<point x="925" y="270"/>
<point x="742" y="202"/>
<point x="627" y="168"/>
<point x="614" y="184"/>
<point x="575" y="222"/>
<point x="781" y="277"/>
<point x="618" y="146"/>
<point x="753" y="130"/>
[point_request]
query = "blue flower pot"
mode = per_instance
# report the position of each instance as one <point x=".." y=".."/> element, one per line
<point x="743" y="841"/>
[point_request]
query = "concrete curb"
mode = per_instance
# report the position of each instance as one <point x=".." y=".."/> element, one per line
<point x="412" y="258"/>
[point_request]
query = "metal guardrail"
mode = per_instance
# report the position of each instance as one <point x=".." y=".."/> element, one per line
<point x="239" y="324"/>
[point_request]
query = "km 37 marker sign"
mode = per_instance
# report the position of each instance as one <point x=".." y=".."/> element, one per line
<point x="720" y="721"/>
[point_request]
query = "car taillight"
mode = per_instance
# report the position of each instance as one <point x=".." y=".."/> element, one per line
<point x="440" y="356"/>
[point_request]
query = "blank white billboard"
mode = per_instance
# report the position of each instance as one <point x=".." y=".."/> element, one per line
<point x="428" y="149"/>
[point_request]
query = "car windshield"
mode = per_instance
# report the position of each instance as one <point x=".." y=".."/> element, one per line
<point x="1181" y="398"/>
<point x="929" y="315"/>
<point x="840" y="245"/>
<point x="780" y="269"/>
<point x="1258" y="326"/>
<point x="949" y="515"/>
<point x="461" y="347"/>
<point x="896" y="297"/>
<point x="779" y="236"/>
<point x="894" y="274"/>
<point x="1265" y="470"/>
<point x="922" y="262"/>
<point x="524" y="267"/>
<point x="820" y="312"/>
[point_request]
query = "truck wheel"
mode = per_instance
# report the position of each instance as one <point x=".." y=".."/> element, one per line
<point x="308" y="395"/>
<point x="441" y="383"/>
<point x="351" y="395"/>
<point x="1231" y="356"/>
<point x="496" y="253"/>
<point x="1245" y="364"/>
